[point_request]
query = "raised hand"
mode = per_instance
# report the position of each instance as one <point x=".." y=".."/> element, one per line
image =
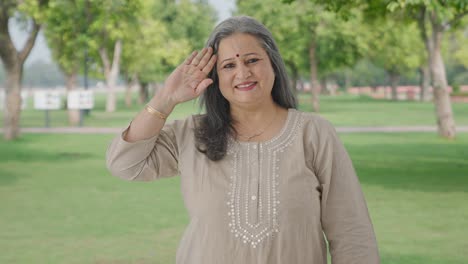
<point x="189" y="80"/>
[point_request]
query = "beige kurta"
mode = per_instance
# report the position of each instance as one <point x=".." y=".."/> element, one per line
<point x="266" y="202"/>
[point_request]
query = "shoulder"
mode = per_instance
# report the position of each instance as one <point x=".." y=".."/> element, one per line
<point x="183" y="129"/>
<point x="313" y="122"/>
<point x="188" y="122"/>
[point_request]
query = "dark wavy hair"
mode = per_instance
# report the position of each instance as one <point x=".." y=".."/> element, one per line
<point x="213" y="130"/>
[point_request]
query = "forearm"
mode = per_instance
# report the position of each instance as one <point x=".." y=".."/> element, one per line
<point x="146" y="125"/>
<point x="185" y="83"/>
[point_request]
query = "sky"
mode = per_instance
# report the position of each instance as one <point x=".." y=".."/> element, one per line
<point x="42" y="52"/>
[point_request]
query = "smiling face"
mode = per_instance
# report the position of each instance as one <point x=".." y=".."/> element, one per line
<point x="244" y="69"/>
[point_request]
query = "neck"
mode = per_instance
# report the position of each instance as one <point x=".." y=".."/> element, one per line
<point x="255" y="115"/>
<point x="253" y="123"/>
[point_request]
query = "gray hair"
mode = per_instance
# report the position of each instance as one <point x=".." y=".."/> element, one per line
<point x="215" y="127"/>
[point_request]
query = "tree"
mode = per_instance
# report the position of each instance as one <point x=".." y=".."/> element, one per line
<point x="30" y="12"/>
<point x="189" y="20"/>
<point x="109" y="24"/>
<point x="167" y="32"/>
<point x="151" y="52"/>
<point x="395" y="47"/>
<point x="281" y="19"/>
<point x="461" y="52"/>
<point x="435" y="17"/>
<point x="65" y="32"/>
<point x="325" y="41"/>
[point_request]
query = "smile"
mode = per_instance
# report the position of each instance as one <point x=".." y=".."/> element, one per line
<point x="246" y="86"/>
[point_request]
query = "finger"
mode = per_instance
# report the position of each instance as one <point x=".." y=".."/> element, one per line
<point x="202" y="86"/>
<point x="200" y="55"/>
<point x="209" y="66"/>
<point x="190" y="58"/>
<point x="206" y="58"/>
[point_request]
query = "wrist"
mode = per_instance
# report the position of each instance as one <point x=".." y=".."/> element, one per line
<point x="163" y="103"/>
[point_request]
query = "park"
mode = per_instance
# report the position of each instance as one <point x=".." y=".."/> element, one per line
<point x="60" y="204"/>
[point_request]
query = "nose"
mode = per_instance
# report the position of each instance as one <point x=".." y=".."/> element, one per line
<point x="243" y="72"/>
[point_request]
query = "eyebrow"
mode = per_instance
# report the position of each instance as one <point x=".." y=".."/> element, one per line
<point x="247" y="54"/>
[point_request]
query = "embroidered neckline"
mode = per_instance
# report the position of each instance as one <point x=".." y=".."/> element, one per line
<point x="258" y="162"/>
<point x="289" y="118"/>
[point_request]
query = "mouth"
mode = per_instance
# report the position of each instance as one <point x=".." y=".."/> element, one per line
<point x="247" y="86"/>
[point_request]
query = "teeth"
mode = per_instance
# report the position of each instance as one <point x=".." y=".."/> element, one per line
<point x="244" y="85"/>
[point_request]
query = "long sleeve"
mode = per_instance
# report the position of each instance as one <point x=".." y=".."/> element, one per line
<point x="144" y="160"/>
<point x="344" y="214"/>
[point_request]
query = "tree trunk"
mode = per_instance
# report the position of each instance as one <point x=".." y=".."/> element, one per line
<point x="314" y="82"/>
<point x="394" y="80"/>
<point x="424" y="82"/>
<point x="443" y="105"/>
<point x="111" y="71"/>
<point x="13" y="61"/>
<point x="70" y="83"/>
<point x="13" y="102"/>
<point x="422" y="19"/>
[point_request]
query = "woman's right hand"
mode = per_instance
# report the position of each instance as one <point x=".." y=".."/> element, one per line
<point x="189" y="79"/>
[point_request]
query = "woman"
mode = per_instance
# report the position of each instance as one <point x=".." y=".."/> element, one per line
<point x="262" y="181"/>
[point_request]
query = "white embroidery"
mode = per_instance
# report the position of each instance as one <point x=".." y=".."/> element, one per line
<point x="241" y="202"/>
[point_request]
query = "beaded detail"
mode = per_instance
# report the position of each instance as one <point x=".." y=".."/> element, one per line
<point x="253" y="197"/>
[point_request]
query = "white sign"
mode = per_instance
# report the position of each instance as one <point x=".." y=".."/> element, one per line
<point x="80" y="99"/>
<point x="47" y="100"/>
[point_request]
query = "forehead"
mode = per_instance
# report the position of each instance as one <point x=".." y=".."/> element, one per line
<point x="239" y="43"/>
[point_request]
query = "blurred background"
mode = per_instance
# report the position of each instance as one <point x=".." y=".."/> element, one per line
<point x="391" y="75"/>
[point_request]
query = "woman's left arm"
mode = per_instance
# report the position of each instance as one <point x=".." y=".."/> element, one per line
<point x="344" y="214"/>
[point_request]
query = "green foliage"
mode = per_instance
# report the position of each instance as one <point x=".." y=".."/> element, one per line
<point x="74" y="26"/>
<point x="340" y="43"/>
<point x="65" y="32"/>
<point x="281" y="20"/>
<point x="188" y="20"/>
<point x="396" y="46"/>
<point x="35" y="9"/>
<point x="444" y="11"/>
<point x="365" y="73"/>
<point x="166" y="34"/>
<point x="459" y="43"/>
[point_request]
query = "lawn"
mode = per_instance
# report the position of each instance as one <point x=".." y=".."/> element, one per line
<point x="60" y="205"/>
<point x="343" y="110"/>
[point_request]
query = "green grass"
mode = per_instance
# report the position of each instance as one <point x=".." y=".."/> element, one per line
<point x="98" y="117"/>
<point x="343" y="110"/>
<point x="347" y="110"/>
<point x="58" y="204"/>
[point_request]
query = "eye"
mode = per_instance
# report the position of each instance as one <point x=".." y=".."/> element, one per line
<point x="228" y="66"/>
<point x="252" y="60"/>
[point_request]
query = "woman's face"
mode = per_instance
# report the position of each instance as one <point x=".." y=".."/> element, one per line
<point x="245" y="72"/>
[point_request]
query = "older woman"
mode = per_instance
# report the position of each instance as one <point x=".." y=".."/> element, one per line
<point x="262" y="181"/>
